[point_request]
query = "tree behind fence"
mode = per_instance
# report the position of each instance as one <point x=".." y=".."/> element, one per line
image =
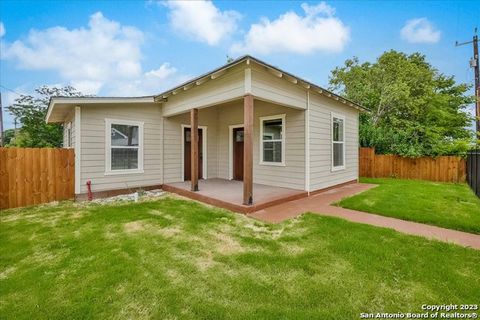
<point x="30" y="176"/>
<point x="443" y="168"/>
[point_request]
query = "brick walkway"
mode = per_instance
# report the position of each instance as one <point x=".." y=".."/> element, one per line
<point x="320" y="204"/>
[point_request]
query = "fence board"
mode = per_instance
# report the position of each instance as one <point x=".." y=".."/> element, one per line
<point x="473" y="171"/>
<point x="3" y="180"/>
<point x="20" y="178"/>
<point x="30" y="176"/>
<point x="444" y="168"/>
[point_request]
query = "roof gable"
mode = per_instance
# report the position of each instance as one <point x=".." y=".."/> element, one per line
<point x="246" y="61"/>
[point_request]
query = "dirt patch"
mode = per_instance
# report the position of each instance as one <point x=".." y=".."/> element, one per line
<point x="77" y="215"/>
<point x="169" y="232"/>
<point x="134" y="226"/>
<point x="110" y="231"/>
<point x="257" y="228"/>
<point x="43" y="256"/>
<point x="156" y="212"/>
<point x="136" y="310"/>
<point x="205" y="262"/>
<point x="227" y="245"/>
<point x="162" y="214"/>
<point x="10" y="218"/>
<point x="7" y="272"/>
<point x="292" y="249"/>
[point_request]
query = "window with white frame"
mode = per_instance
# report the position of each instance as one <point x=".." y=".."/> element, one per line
<point x="338" y="142"/>
<point x="272" y="140"/>
<point x="68" y="138"/>
<point x="124" y="152"/>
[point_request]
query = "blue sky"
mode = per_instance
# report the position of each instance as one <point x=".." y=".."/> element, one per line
<point x="143" y="47"/>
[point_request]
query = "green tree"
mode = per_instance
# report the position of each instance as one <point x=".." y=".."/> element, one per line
<point x="8" y="135"/>
<point x="30" y="111"/>
<point x="414" y="109"/>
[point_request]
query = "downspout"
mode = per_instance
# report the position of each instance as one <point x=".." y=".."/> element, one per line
<point x="307" y="144"/>
<point x="163" y="145"/>
<point x="78" y="150"/>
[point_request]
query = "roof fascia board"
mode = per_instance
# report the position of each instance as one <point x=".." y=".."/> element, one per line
<point x="92" y="100"/>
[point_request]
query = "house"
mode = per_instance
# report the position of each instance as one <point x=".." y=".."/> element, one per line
<point x="262" y="134"/>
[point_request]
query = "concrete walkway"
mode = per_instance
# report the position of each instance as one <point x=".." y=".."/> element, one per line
<point x="320" y="204"/>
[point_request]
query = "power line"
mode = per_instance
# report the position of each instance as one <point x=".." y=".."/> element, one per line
<point x="11" y="90"/>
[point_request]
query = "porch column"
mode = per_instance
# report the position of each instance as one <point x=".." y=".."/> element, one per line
<point x="248" y="150"/>
<point x="194" y="148"/>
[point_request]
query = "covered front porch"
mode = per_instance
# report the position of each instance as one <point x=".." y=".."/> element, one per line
<point x="237" y="137"/>
<point x="248" y="153"/>
<point x="228" y="194"/>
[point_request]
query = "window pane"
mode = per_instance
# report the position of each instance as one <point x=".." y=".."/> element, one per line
<point x="338" y="154"/>
<point x="69" y="137"/>
<point x="239" y="136"/>
<point x="272" y="129"/>
<point x="272" y="151"/>
<point x="124" y="159"/>
<point x="337" y="129"/>
<point x="124" y="135"/>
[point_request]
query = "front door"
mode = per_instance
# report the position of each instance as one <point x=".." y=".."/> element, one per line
<point x="187" y="156"/>
<point x="238" y="153"/>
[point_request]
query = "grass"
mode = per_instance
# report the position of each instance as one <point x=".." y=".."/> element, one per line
<point x="173" y="258"/>
<point x="447" y="205"/>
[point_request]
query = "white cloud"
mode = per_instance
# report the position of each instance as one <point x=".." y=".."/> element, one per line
<point x="317" y="30"/>
<point x="153" y="81"/>
<point x="201" y="20"/>
<point x="2" y="29"/>
<point x="99" y="58"/>
<point x="420" y="31"/>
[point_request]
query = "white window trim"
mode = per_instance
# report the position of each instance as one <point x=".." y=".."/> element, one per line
<point x="341" y="117"/>
<point x="204" y="150"/>
<point x="284" y="130"/>
<point x="108" y="145"/>
<point x="230" y="148"/>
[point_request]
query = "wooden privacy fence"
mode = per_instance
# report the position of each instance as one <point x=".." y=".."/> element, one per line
<point x="30" y="176"/>
<point x="473" y="171"/>
<point x="443" y="168"/>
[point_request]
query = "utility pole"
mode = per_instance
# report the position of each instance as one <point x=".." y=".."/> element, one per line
<point x="1" y="121"/>
<point x="474" y="63"/>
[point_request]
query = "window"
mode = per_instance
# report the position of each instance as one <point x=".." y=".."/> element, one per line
<point x="338" y="142"/>
<point x="272" y="140"/>
<point x="68" y="138"/>
<point x="124" y="152"/>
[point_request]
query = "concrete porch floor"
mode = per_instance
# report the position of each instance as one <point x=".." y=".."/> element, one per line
<point x="228" y="194"/>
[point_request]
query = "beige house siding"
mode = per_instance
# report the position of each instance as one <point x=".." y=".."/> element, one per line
<point x="292" y="175"/>
<point x="228" y="86"/>
<point x="93" y="146"/>
<point x="173" y="145"/>
<point x="272" y="88"/>
<point x="321" y="174"/>
<point x="220" y="103"/>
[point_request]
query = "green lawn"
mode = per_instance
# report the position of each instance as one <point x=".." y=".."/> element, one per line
<point x="171" y="258"/>
<point x="446" y="205"/>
